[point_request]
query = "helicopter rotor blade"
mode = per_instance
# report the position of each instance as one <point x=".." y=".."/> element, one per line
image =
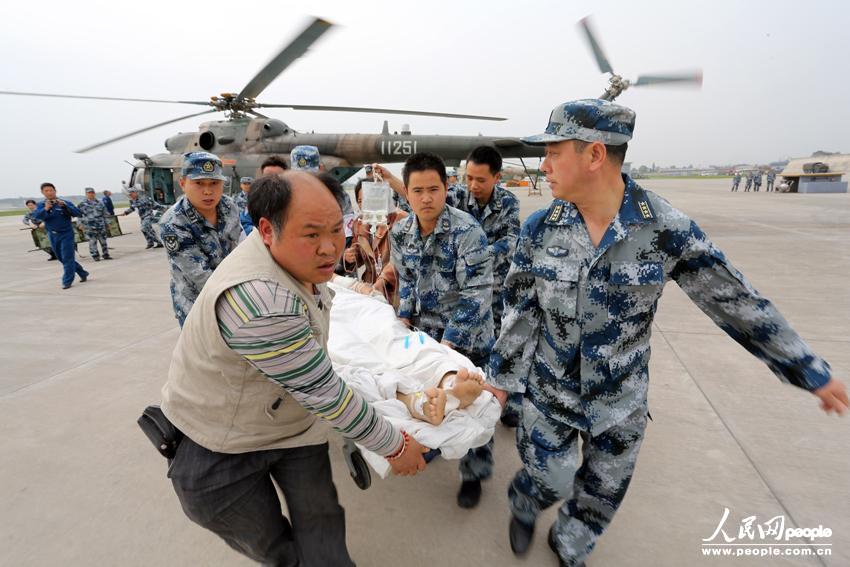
<point x="101" y="144"/>
<point x="257" y="114"/>
<point x="379" y="111"/>
<point x="691" y="77"/>
<point x="295" y="49"/>
<point x="51" y="95"/>
<point x="601" y="60"/>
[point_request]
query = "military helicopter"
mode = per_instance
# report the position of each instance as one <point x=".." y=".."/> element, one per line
<point x="246" y="137"/>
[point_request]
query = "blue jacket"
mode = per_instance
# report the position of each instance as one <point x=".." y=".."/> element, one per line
<point x="57" y="219"/>
<point x="107" y="202"/>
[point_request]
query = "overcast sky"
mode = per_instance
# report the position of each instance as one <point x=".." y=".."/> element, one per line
<point x="776" y="74"/>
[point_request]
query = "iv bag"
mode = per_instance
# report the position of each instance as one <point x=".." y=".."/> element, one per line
<point x="377" y="199"/>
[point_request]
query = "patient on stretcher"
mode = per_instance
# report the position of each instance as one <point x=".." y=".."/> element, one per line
<point x="431" y="385"/>
<point x="456" y="390"/>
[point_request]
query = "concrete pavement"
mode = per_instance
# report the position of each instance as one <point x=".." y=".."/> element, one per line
<point x="81" y="485"/>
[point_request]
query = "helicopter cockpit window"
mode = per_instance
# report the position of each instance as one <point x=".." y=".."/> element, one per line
<point x="161" y="185"/>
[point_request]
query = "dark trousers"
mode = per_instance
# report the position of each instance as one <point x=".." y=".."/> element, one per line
<point x="234" y="497"/>
<point x="64" y="248"/>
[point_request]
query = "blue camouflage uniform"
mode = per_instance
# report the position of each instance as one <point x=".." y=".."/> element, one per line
<point x="575" y="341"/>
<point x="757" y="181"/>
<point x="736" y="181"/>
<point x="60" y="231"/>
<point x="195" y="246"/>
<point x="445" y="284"/>
<point x="771" y="177"/>
<point x="499" y="218"/>
<point x="94" y="224"/>
<point x="749" y="182"/>
<point x="148" y="209"/>
<point x="241" y="202"/>
<point x="107" y="202"/>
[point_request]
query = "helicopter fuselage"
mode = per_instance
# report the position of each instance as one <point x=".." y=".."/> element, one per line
<point x="244" y="143"/>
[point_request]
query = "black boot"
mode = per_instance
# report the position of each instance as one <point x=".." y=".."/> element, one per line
<point x="158" y="245"/>
<point x="469" y="494"/>
<point x="149" y="246"/>
<point x="520" y="535"/>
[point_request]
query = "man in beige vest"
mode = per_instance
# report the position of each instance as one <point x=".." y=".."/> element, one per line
<point x="252" y="387"/>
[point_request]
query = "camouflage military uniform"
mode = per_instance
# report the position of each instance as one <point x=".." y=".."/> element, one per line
<point x="757" y="181"/>
<point x="736" y="181"/>
<point x="94" y="224"/>
<point x="771" y="177"/>
<point x="146" y="208"/>
<point x="749" y="182"/>
<point x="446" y="281"/>
<point x="500" y="220"/>
<point x="195" y="248"/>
<point x="575" y="341"/>
<point x="445" y="289"/>
<point x="241" y="200"/>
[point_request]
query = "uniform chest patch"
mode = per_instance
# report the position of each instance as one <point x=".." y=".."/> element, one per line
<point x="171" y="243"/>
<point x="557" y="251"/>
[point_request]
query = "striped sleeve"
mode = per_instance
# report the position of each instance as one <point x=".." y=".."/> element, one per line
<point x="268" y="326"/>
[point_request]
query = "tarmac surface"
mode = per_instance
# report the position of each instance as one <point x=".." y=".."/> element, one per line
<point x="81" y="485"/>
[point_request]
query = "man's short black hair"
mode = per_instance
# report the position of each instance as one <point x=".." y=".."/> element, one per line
<point x="424" y="161"/>
<point x="617" y="154"/>
<point x="30" y="201"/>
<point x="273" y="161"/>
<point x="486" y="155"/>
<point x="358" y="189"/>
<point x="335" y="187"/>
<point x="269" y="198"/>
<point x="47" y="184"/>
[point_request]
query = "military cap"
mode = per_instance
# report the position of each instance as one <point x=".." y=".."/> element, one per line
<point x="201" y="165"/>
<point x="588" y="120"/>
<point x="246" y="180"/>
<point x="451" y="172"/>
<point x="89" y="189"/>
<point x="305" y="158"/>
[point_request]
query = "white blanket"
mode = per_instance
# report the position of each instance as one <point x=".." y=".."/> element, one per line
<point x="377" y="356"/>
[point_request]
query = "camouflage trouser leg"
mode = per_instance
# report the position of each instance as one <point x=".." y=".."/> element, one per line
<point x="477" y="464"/>
<point x="550" y="456"/>
<point x="149" y="231"/>
<point x="95" y="237"/>
<point x="513" y="407"/>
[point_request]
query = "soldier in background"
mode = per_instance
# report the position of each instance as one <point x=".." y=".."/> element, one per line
<point x="34" y="224"/>
<point x="749" y="183"/>
<point x="107" y="202"/>
<point x="241" y="202"/>
<point x="497" y="211"/>
<point x="756" y="181"/>
<point x="736" y="181"/>
<point x="94" y="224"/>
<point x="771" y="177"/>
<point x="445" y="282"/>
<point x="146" y="208"/>
<point x="580" y="299"/>
<point x="199" y="231"/>
<point x="273" y="165"/>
